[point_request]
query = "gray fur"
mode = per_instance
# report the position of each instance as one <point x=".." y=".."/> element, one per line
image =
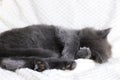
<point x="12" y="64"/>
<point x="48" y="41"/>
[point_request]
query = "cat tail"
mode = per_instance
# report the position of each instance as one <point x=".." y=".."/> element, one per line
<point x="39" y="52"/>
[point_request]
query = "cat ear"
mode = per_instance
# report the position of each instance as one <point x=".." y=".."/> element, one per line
<point x="104" y="33"/>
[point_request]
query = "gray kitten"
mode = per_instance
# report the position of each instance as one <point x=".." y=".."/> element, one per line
<point x="42" y="47"/>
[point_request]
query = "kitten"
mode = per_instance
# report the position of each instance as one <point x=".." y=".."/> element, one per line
<point x="42" y="47"/>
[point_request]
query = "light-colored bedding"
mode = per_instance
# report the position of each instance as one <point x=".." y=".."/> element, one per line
<point x="74" y="14"/>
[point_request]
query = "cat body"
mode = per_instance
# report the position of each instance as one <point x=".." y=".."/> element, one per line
<point x="41" y="47"/>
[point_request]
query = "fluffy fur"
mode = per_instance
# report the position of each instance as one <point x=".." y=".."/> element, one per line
<point x="42" y="47"/>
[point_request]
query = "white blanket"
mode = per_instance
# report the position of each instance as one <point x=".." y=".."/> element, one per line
<point x="75" y="14"/>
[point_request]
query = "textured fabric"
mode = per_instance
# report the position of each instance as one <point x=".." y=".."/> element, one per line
<point x="74" y="14"/>
<point x="86" y="70"/>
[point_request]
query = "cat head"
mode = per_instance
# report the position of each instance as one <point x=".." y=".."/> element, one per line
<point x="97" y="41"/>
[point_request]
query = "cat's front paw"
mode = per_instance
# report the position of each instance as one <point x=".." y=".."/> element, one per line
<point x="40" y="65"/>
<point x="84" y="52"/>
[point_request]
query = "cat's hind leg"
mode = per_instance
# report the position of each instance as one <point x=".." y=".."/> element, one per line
<point x="13" y="63"/>
<point x="36" y="63"/>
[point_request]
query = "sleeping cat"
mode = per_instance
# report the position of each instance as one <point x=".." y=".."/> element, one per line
<point x="41" y="47"/>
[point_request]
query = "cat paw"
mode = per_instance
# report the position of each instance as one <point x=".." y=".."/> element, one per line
<point x="41" y="66"/>
<point x="69" y="65"/>
<point x="84" y="52"/>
